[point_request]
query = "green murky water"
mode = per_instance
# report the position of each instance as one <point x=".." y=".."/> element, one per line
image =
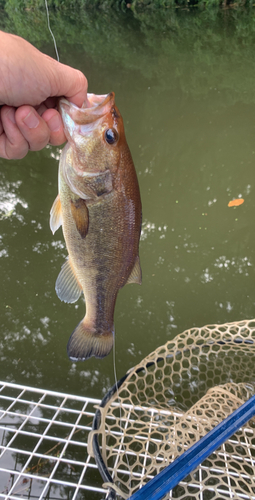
<point x="189" y="113"/>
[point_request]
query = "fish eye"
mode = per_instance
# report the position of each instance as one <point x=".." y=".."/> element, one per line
<point x="111" y="136"/>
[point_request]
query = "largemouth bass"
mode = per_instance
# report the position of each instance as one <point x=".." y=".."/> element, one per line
<point x="99" y="208"/>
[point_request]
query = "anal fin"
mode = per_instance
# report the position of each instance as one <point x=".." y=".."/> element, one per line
<point x="136" y="273"/>
<point x="68" y="288"/>
<point x="56" y="215"/>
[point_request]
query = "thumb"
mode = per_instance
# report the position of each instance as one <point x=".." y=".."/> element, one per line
<point x="68" y="82"/>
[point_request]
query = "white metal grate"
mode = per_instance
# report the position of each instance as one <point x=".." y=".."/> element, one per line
<point x="44" y="455"/>
<point x="43" y="445"/>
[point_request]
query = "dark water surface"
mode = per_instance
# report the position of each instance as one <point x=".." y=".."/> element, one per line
<point x="189" y="113"/>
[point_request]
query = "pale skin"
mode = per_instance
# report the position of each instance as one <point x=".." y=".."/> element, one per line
<point x="30" y="83"/>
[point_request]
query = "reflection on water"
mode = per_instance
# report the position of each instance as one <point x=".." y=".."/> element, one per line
<point x="9" y="199"/>
<point x="189" y="117"/>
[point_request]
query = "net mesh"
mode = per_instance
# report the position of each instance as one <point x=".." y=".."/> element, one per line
<point x="174" y="397"/>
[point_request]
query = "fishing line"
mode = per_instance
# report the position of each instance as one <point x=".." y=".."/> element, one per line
<point x="114" y="340"/>
<point x="117" y="389"/>
<point x="114" y="366"/>
<point x="50" y="30"/>
<point x="115" y="372"/>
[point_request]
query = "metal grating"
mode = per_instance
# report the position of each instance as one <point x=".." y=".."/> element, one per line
<point x="43" y="445"/>
<point x="43" y="450"/>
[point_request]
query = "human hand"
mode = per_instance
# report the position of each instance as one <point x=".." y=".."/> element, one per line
<point x="30" y="83"/>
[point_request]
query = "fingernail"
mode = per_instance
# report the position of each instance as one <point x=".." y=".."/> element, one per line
<point x="54" y="123"/>
<point x="31" y="120"/>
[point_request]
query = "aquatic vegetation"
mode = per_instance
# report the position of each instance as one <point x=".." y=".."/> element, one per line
<point x="205" y="47"/>
<point x="133" y="5"/>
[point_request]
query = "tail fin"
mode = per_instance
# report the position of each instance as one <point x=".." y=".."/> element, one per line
<point x="85" y="343"/>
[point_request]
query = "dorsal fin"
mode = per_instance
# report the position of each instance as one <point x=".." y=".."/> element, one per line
<point x="56" y="215"/>
<point x="81" y="216"/>
<point x="68" y="288"/>
<point x="136" y="273"/>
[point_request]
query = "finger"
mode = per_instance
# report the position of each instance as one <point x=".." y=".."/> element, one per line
<point x="51" y="102"/>
<point x="68" y="82"/>
<point x="78" y="93"/>
<point x="33" y="128"/>
<point x="40" y="109"/>
<point x="55" y="125"/>
<point x="12" y="144"/>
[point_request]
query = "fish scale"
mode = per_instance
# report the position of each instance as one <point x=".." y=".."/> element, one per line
<point x="99" y="207"/>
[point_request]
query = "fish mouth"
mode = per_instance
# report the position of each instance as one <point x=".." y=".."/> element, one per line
<point x="98" y="100"/>
<point x="93" y="109"/>
<point x="82" y="124"/>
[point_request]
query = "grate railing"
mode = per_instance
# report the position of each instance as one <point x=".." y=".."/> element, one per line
<point x="44" y="450"/>
<point x="43" y="445"/>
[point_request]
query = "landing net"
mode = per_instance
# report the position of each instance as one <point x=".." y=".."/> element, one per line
<point x="168" y="402"/>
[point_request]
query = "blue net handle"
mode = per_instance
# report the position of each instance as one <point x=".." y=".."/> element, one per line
<point x="168" y="478"/>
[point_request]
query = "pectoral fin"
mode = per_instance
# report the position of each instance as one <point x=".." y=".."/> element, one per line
<point x="68" y="288"/>
<point x="136" y="273"/>
<point x="56" y="215"/>
<point x="81" y="216"/>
